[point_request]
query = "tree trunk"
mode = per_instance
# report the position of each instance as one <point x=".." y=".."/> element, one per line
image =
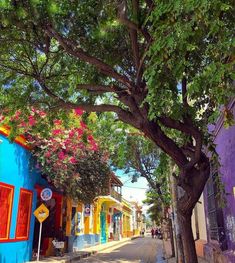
<point x="190" y="191"/>
<point x="187" y="238"/>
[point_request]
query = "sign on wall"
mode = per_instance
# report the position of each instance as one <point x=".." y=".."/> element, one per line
<point x="46" y="194"/>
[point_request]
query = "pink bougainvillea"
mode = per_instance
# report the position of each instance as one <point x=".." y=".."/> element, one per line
<point x="78" y="111"/>
<point x="64" y="149"/>
<point x="31" y="120"/>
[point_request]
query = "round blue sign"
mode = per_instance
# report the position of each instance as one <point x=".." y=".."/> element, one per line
<point x="46" y="194"/>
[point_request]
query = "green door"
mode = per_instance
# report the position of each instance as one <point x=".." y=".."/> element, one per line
<point x="103" y="227"/>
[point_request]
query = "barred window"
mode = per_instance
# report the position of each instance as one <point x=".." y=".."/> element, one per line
<point x="215" y="213"/>
<point x="6" y="199"/>
<point x="24" y="214"/>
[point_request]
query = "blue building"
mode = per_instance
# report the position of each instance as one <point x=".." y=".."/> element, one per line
<point x="20" y="186"/>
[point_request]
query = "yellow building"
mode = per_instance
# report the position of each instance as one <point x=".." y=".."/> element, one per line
<point x="91" y="224"/>
<point x="127" y="219"/>
<point x="137" y="223"/>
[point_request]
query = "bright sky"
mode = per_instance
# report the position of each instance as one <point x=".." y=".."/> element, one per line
<point x="133" y="191"/>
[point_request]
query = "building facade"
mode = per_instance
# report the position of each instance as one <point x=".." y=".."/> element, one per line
<point x="80" y="225"/>
<point x="220" y="220"/>
<point x="20" y="185"/>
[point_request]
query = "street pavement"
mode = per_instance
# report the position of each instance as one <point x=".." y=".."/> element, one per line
<point x="140" y="250"/>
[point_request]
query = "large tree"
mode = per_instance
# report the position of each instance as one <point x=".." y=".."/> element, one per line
<point x="161" y="66"/>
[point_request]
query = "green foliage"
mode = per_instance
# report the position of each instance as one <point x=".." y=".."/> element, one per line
<point x="189" y="41"/>
<point x="128" y="149"/>
<point x="194" y="40"/>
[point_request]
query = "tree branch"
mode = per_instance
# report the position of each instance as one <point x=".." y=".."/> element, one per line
<point x="153" y="131"/>
<point x="101" y="88"/>
<point x="187" y="129"/>
<point x="123" y="115"/>
<point x="72" y="48"/>
<point x="141" y="64"/>
<point x="122" y="14"/>
<point x="184" y="92"/>
<point x="17" y="70"/>
<point x="143" y="170"/>
<point x="132" y="25"/>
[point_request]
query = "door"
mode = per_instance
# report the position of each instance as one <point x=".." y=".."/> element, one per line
<point x="103" y="227"/>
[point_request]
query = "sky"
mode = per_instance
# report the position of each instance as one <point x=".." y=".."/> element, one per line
<point x="133" y="191"/>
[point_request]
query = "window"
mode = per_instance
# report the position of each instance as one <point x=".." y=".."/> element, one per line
<point x="24" y="214"/>
<point x="215" y="213"/>
<point x="6" y="197"/>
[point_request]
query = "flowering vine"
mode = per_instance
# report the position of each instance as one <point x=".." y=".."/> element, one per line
<point x="65" y="151"/>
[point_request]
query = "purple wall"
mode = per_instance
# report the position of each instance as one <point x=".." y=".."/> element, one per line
<point x="225" y="141"/>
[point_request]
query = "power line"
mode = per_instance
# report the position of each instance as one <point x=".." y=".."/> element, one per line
<point x="135" y="187"/>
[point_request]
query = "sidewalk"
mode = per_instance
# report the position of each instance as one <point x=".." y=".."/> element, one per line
<point x="86" y="252"/>
<point x="169" y="259"/>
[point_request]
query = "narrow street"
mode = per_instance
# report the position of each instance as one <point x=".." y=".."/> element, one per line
<point x="140" y="250"/>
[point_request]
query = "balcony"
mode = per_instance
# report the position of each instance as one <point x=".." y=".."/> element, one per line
<point x="116" y="195"/>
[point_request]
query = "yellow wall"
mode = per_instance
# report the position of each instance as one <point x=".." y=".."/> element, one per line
<point x="86" y="224"/>
<point x="68" y="216"/>
<point x="96" y="217"/>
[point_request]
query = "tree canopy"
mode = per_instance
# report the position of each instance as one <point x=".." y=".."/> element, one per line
<point x="170" y="63"/>
<point x="163" y="67"/>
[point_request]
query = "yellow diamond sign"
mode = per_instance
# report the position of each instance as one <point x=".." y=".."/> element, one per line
<point x="41" y="213"/>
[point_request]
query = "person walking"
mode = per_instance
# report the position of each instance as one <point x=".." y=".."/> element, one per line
<point x="143" y="230"/>
<point x="152" y="232"/>
<point x="156" y="233"/>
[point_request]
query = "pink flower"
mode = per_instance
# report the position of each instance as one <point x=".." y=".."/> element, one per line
<point x="67" y="143"/>
<point x="47" y="154"/>
<point x="57" y="122"/>
<point x="2" y="118"/>
<point x="79" y="131"/>
<point x="61" y="155"/>
<point x="42" y="114"/>
<point x="81" y="145"/>
<point x="17" y="115"/>
<point x="23" y="124"/>
<point x="78" y="112"/>
<point x="32" y="121"/>
<point x="94" y="147"/>
<point x="72" y="160"/>
<point x="90" y="138"/>
<point x="71" y="133"/>
<point x="83" y="125"/>
<point x="56" y="131"/>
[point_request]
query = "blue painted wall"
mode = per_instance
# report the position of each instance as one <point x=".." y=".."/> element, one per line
<point x="15" y="170"/>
